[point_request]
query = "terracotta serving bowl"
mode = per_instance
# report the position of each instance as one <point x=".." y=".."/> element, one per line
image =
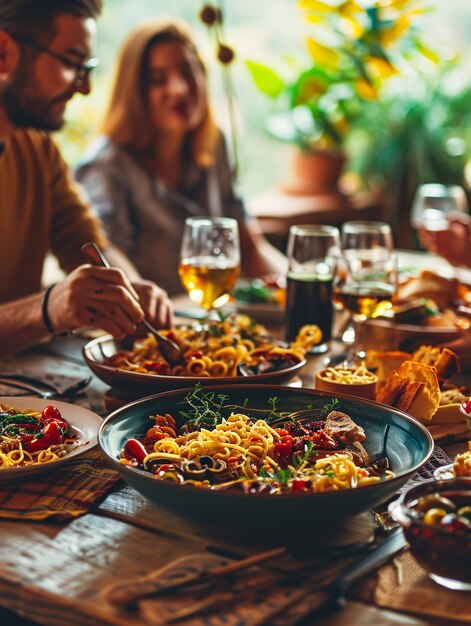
<point x="393" y="336"/>
<point x="365" y="390"/>
<point x="97" y="352"/>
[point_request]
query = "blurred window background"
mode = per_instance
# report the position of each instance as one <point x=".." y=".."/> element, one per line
<point x="423" y="118"/>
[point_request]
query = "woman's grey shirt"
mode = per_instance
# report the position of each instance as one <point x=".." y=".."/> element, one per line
<point x="143" y="217"/>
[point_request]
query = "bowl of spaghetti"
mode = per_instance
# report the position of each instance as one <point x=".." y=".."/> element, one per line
<point x="37" y="436"/>
<point x="263" y="457"/>
<point x="216" y="354"/>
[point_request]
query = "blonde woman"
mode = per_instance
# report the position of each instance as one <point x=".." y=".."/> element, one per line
<point x="161" y="157"/>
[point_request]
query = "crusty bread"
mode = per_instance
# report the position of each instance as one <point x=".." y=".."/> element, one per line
<point x="445" y="361"/>
<point x="453" y="395"/>
<point x="384" y="363"/>
<point x="428" y="285"/>
<point x="413" y="388"/>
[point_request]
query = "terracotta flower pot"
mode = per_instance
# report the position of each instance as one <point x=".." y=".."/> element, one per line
<point x="316" y="172"/>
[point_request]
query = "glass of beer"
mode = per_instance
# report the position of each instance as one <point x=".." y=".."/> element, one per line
<point x="312" y="258"/>
<point x="209" y="260"/>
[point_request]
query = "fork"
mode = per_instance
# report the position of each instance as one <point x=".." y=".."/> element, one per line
<point x="168" y="348"/>
<point x="54" y="392"/>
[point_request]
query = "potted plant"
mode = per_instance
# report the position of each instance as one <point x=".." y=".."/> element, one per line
<point x="419" y="131"/>
<point x="353" y="51"/>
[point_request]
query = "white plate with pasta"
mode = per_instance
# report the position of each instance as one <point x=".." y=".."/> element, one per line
<point x="35" y="439"/>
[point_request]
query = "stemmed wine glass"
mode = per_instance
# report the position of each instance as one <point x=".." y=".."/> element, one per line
<point x="440" y="214"/>
<point x="209" y="260"/>
<point x="434" y="203"/>
<point x="367" y="277"/>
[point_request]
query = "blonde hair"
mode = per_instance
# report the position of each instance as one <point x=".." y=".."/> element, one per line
<point x="126" y="119"/>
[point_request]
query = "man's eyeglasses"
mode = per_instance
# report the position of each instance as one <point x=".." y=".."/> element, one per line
<point x="82" y="70"/>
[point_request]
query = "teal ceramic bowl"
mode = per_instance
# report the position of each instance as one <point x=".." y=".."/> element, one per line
<point x="408" y="445"/>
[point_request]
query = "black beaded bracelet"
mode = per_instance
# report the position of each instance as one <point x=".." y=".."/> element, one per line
<point x="45" y="314"/>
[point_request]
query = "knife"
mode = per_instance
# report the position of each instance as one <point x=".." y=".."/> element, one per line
<point x="332" y="596"/>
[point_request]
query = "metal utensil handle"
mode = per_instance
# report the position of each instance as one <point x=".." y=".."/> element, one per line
<point x="95" y="255"/>
<point x="393" y="543"/>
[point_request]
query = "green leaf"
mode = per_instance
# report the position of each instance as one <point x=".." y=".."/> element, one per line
<point x="266" y="79"/>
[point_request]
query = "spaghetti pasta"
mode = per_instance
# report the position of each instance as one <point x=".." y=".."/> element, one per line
<point x="255" y="456"/>
<point x="30" y="437"/>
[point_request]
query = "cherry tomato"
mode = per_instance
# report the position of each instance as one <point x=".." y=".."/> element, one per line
<point x="299" y="485"/>
<point x="159" y="368"/>
<point x="51" y="435"/>
<point x="467" y="406"/>
<point x="52" y="414"/>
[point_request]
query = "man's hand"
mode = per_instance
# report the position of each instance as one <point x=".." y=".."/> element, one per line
<point x="96" y="297"/>
<point x="157" y="307"/>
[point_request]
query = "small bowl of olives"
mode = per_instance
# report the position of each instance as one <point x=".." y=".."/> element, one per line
<point x="436" y="518"/>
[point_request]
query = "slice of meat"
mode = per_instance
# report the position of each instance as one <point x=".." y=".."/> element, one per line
<point x="358" y="452"/>
<point x="343" y="428"/>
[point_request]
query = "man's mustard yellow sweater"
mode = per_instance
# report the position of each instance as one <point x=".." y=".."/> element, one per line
<point x="41" y="209"/>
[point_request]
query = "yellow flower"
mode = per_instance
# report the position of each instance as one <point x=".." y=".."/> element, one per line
<point x="322" y="55"/>
<point x="392" y="33"/>
<point x="381" y="67"/>
<point x="365" y="89"/>
<point x="317" y="6"/>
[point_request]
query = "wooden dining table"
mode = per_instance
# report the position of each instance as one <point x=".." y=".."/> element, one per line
<point x="53" y="572"/>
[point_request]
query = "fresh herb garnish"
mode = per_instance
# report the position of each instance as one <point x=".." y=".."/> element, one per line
<point x="282" y="476"/>
<point x="330" y="407"/>
<point x="205" y="408"/>
<point x="300" y="459"/>
<point x="205" y="411"/>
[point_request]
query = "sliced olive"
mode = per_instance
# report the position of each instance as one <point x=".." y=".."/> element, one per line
<point x="218" y="466"/>
<point x="206" y="461"/>
<point x="193" y="469"/>
<point x="153" y="465"/>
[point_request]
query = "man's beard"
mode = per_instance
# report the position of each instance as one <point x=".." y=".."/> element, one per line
<point x="25" y="110"/>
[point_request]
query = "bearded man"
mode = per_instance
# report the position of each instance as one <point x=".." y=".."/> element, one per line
<point x="45" y="59"/>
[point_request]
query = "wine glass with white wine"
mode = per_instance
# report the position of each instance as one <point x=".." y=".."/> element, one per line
<point x="209" y="260"/>
<point x="367" y="277"/>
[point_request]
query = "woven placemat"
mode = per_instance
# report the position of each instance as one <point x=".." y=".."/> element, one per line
<point x="66" y="492"/>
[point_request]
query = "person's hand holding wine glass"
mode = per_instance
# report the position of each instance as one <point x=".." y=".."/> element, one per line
<point x="367" y="276"/>
<point x="440" y="215"/>
<point x="209" y="260"/>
